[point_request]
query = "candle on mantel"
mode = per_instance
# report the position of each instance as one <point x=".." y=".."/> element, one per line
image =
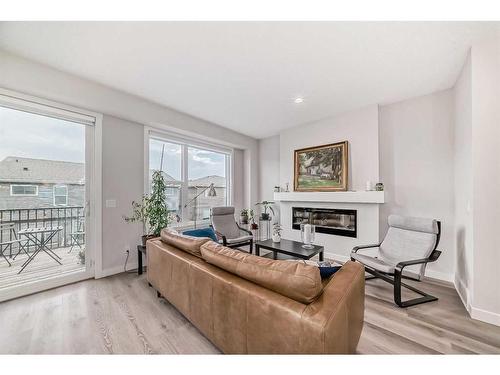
<point x="307" y="234"/>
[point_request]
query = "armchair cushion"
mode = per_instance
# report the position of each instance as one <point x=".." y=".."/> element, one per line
<point x="240" y="239"/>
<point x="375" y="263"/>
<point x="415" y="224"/>
<point x="408" y="238"/>
<point x="224" y="223"/>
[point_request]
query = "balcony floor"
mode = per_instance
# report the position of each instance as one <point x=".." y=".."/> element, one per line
<point x="42" y="267"/>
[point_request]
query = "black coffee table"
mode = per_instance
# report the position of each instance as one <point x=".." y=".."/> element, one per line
<point x="287" y="249"/>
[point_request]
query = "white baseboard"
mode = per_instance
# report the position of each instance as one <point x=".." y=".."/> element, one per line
<point x="485" y="316"/>
<point x="440" y="276"/>
<point x="463" y="293"/>
<point x="116" y="270"/>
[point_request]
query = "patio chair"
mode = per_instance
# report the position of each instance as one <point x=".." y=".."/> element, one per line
<point x="9" y="238"/>
<point x="77" y="238"/>
<point x="409" y="242"/>
<point x="228" y="231"/>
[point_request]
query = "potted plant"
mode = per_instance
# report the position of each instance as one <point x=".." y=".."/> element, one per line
<point x="267" y="206"/>
<point x="152" y="211"/>
<point x="245" y="214"/>
<point x="276" y="232"/>
<point x="251" y="217"/>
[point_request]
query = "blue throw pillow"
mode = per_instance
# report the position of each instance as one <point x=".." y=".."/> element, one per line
<point x="326" y="272"/>
<point x="203" y="232"/>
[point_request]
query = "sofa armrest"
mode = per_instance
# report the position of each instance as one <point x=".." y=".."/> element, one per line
<point x="337" y="315"/>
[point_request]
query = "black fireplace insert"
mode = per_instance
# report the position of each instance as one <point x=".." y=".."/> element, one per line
<point x="327" y="220"/>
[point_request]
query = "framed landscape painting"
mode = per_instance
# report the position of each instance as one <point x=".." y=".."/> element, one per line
<point x="321" y="168"/>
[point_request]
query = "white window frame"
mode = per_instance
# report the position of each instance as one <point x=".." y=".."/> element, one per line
<point x="36" y="105"/>
<point x="54" y="195"/>
<point x="23" y="195"/>
<point x="185" y="142"/>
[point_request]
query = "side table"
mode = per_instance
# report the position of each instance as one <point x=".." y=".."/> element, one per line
<point x="141" y="249"/>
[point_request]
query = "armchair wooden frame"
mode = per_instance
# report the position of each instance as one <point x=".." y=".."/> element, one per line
<point x="396" y="277"/>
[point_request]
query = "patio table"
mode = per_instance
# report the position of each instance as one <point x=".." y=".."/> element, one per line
<point x="40" y="237"/>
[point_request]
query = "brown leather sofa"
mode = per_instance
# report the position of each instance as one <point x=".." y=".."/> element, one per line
<point x="249" y="304"/>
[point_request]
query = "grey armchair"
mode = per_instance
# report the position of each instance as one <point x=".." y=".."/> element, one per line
<point x="409" y="242"/>
<point x="228" y="232"/>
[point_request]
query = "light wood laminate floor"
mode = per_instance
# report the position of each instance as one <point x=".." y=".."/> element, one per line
<point x="121" y="314"/>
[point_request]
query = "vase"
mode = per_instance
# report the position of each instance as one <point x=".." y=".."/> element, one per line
<point x="276" y="237"/>
<point x="307" y="233"/>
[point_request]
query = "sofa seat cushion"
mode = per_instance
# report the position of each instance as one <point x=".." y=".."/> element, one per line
<point x="301" y="282"/>
<point x="186" y="243"/>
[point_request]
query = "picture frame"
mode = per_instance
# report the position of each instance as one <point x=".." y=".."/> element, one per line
<point x="321" y="168"/>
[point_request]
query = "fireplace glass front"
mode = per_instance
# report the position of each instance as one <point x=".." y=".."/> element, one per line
<point x="327" y="220"/>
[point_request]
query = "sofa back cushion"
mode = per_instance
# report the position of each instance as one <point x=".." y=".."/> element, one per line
<point x="186" y="243"/>
<point x="295" y="280"/>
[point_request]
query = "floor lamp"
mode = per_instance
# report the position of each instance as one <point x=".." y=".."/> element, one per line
<point x="211" y="193"/>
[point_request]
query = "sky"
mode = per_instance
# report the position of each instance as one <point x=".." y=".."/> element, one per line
<point x="33" y="136"/>
<point x="200" y="162"/>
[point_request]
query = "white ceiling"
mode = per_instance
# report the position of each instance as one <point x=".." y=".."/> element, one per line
<point x="245" y="75"/>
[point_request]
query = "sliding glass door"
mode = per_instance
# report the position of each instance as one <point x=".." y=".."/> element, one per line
<point x="46" y="164"/>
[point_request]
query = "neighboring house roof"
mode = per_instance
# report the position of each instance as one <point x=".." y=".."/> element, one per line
<point x="218" y="181"/>
<point x="41" y="171"/>
<point x="166" y="176"/>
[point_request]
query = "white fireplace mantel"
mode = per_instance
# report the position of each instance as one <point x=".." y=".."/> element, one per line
<point x="373" y="197"/>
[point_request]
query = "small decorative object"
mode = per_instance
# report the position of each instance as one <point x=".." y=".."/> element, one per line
<point x="276" y="232"/>
<point x="368" y="186"/>
<point x="379" y="186"/>
<point x="307" y="232"/>
<point x="277" y="189"/>
<point x="267" y="206"/>
<point x="321" y="168"/>
<point x="287" y="187"/>
<point x="245" y="214"/>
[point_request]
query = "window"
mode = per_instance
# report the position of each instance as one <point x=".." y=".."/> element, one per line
<point x="26" y="190"/>
<point x="197" y="177"/>
<point x="60" y="195"/>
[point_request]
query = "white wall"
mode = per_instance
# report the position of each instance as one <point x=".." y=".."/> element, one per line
<point x="359" y="127"/>
<point x="122" y="180"/>
<point x="485" y="59"/>
<point x="269" y="165"/>
<point x="417" y="167"/>
<point x="463" y="184"/>
<point x="31" y="78"/>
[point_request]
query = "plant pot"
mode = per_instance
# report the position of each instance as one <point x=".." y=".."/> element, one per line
<point x="146" y="237"/>
<point x="276" y="238"/>
<point x="244" y="219"/>
<point x="264" y="216"/>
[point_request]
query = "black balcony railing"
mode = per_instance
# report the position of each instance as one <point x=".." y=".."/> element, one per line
<point x="69" y="218"/>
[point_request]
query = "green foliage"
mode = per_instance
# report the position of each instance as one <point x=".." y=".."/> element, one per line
<point x="152" y="211"/>
<point x="247" y="212"/>
<point x="267" y="205"/>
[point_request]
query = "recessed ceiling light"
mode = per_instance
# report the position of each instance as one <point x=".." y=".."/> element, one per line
<point x="298" y="100"/>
